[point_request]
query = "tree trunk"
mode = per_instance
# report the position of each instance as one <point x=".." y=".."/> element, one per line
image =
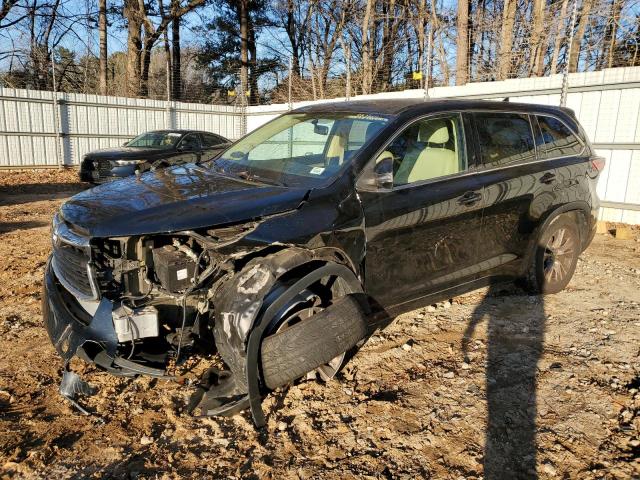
<point x="253" y="64"/>
<point x="506" y="39"/>
<point x="134" y="46"/>
<point x="579" y="35"/>
<point x="176" y="84"/>
<point x="479" y="32"/>
<point x="419" y="24"/>
<point x="462" y="43"/>
<point x="444" y="65"/>
<point x="388" y="41"/>
<point x="538" y="43"/>
<point x="167" y="51"/>
<point x="367" y="60"/>
<point x="617" y="6"/>
<point x="146" y="65"/>
<point x="293" y="37"/>
<point x="559" y="34"/>
<point x="243" y="18"/>
<point x="102" y="27"/>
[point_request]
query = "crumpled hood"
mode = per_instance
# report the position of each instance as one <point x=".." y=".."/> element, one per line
<point x="179" y="198"/>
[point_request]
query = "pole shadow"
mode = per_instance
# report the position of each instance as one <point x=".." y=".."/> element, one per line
<point x="515" y="338"/>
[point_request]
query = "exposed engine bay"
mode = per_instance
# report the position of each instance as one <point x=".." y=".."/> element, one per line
<point x="151" y="301"/>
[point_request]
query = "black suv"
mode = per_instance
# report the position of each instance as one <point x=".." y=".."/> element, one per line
<point x="289" y="249"/>
<point x="151" y="150"/>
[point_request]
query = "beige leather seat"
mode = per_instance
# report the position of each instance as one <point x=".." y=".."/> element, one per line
<point x="430" y="158"/>
<point x="338" y="145"/>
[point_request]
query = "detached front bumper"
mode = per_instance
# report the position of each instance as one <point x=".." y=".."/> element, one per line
<point x="75" y="332"/>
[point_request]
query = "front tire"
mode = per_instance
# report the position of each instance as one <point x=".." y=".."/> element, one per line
<point x="555" y="257"/>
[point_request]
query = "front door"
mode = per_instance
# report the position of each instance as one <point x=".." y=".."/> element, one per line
<point x="190" y="149"/>
<point x="422" y="233"/>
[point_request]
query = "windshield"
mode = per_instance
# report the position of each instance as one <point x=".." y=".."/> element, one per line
<point x="300" y="149"/>
<point x="156" y="140"/>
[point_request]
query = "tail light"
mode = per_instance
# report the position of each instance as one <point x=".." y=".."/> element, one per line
<point x="598" y="163"/>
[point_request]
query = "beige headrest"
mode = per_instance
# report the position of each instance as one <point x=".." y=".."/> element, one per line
<point x="434" y="131"/>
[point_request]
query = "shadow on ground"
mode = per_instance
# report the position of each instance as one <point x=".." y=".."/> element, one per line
<point x="514" y="347"/>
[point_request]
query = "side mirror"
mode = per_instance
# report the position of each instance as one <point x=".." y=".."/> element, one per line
<point x="378" y="178"/>
<point x="125" y="144"/>
<point x="383" y="171"/>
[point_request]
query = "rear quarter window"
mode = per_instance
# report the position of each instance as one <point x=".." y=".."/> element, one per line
<point x="504" y="138"/>
<point x="557" y="140"/>
<point x="211" y="140"/>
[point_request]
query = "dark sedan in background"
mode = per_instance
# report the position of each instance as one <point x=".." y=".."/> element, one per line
<point x="157" y="149"/>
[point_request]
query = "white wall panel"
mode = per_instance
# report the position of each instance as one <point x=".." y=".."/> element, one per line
<point x="627" y="113"/>
<point x="607" y="104"/>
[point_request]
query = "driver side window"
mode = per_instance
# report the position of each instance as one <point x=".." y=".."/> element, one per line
<point x="428" y="149"/>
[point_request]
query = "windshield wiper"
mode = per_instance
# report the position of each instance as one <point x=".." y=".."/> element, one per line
<point x="253" y="177"/>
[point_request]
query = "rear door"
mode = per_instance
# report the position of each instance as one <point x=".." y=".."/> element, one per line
<point x="565" y="153"/>
<point x="519" y="185"/>
<point x="422" y="233"/>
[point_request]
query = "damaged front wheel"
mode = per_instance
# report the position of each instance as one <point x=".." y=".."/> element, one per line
<point x="305" y="305"/>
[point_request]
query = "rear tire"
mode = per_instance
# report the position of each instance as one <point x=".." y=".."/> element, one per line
<point x="555" y="257"/>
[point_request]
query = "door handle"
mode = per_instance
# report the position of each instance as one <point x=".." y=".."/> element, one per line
<point x="470" y="198"/>
<point x="548" y="178"/>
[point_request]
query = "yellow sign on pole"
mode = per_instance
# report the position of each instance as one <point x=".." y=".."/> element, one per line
<point x="231" y="93"/>
<point x="417" y="75"/>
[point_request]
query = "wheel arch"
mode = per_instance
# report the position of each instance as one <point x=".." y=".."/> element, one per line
<point x="579" y="210"/>
<point x="245" y="304"/>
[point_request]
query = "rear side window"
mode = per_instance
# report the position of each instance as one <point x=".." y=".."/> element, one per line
<point x="210" y="140"/>
<point x="504" y="138"/>
<point x="557" y="140"/>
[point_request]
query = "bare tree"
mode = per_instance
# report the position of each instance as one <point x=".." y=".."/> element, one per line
<point x="506" y="39"/>
<point x="462" y="43"/>
<point x="538" y="40"/>
<point x="176" y="86"/>
<point x="329" y="21"/>
<point x="560" y="29"/>
<point x="243" y="17"/>
<point x="102" y="29"/>
<point x="367" y="48"/>
<point x="5" y="7"/>
<point x="134" y="13"/>
<point x="579" y="35"/>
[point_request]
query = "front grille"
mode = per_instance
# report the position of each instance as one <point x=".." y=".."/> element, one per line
<point x="70" y="264"/>
<point x="72" y="261"/>
<point x="102" y="166"/>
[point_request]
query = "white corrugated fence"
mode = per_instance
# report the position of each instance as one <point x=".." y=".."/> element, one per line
<point x="40" y="129"/>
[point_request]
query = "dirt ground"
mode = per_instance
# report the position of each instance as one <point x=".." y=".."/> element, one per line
<point x="545" y="386"/>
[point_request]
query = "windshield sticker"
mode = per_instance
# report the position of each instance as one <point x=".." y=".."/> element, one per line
<point x="365" y="116"/>
<point x="174" y="134"/>
<point x="317" y="171"/>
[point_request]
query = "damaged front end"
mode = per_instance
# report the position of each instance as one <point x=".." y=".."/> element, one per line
<point x="136" y="305"/>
